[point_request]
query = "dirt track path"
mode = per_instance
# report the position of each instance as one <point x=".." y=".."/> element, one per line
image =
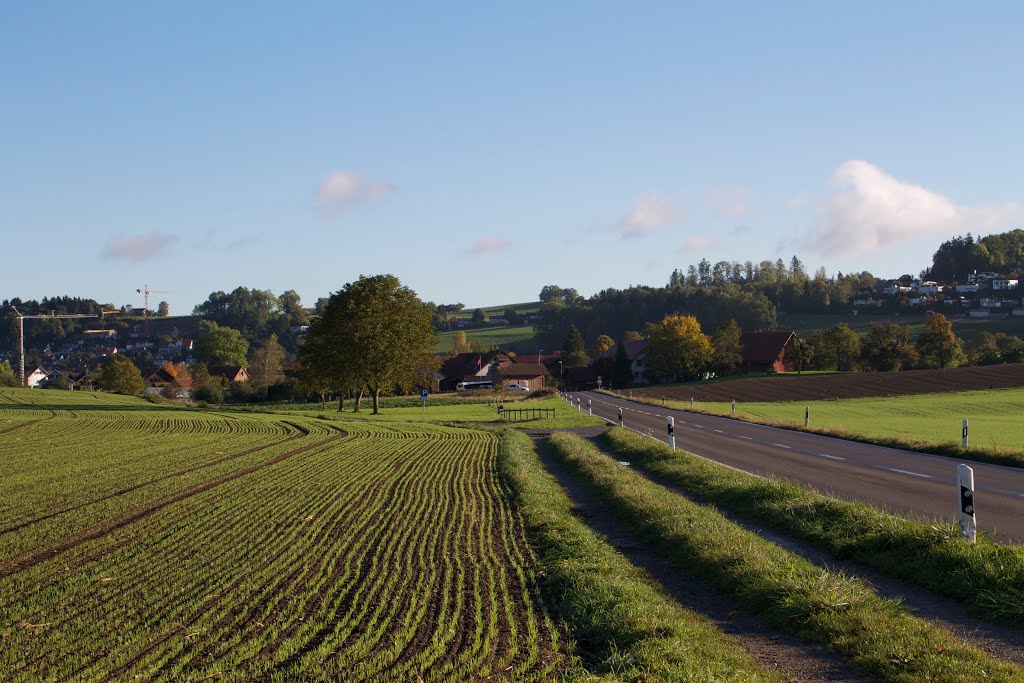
<point x="776" y="651"/>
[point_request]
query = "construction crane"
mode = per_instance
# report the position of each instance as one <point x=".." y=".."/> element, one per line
<point x="147" y="291"/>
<point x="21" y="333"/>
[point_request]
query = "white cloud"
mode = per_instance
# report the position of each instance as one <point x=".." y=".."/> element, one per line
<point x="137" y="248"/>
<point x="871" y="210"/>
<point x="649" y="214"/>
<point x="730" y="201"/>
<point x="489" y="245"/>
<point x="342" y="190"/>
<point x="697" y="243"/>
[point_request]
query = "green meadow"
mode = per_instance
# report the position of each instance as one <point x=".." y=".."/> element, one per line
<point x="995" y="417"/>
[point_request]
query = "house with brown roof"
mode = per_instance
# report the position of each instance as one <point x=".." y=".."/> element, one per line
<point x="232" y="373"/>
<point x="766" y="351"/>
<point x="531" y="376"/>
<point x="468" y="367"/>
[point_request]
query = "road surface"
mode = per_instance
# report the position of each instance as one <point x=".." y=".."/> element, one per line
<point x="915" y="483"/>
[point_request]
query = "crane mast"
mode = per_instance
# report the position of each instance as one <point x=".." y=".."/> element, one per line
<point x="21" y="334"/>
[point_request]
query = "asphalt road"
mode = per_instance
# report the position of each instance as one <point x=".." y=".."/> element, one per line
<point x="915" y="483"/>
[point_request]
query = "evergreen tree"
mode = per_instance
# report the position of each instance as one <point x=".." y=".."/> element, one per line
<point x="622" y="371"/>
<point x="574" y="351"/>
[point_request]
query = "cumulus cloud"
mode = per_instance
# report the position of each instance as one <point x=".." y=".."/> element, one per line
<point x="342" y="190"/>
<point x="697" y="243"/>
<point x="871" y="210"/>
<point x="489" y="245"/>
<point x="649" y="214"/>
<point x="137" y="248"/>
<point x="730" y="201"/>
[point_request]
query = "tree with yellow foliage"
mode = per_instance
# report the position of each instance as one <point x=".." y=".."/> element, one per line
<point x="679" y="349"/>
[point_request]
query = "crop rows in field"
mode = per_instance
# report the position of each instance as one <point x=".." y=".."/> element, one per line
<point x="387" y="553"/>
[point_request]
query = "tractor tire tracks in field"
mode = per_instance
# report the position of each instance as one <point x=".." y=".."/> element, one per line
<point x="51" y="550"/>
<point x="774" y="651"/>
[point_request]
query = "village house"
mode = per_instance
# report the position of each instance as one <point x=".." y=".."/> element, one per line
<point x="766" y="351"/>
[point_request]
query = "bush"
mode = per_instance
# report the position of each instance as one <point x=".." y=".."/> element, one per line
<point x="209" y="393"/>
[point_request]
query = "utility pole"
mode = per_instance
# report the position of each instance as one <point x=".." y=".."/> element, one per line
<point x="21" y="335"/>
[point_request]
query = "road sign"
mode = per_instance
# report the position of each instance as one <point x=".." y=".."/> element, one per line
<point x="423" y="394"/>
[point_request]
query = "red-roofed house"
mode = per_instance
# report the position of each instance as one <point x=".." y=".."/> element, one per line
<point x="766" y="351"/>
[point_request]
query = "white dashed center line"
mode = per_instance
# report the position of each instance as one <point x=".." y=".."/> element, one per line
<point x="830" y="457"/>
<point x="782" y="445"/>
<point x="913" y="474"/>
<point x="748" y="438"/>
<point x="718" y="431"/>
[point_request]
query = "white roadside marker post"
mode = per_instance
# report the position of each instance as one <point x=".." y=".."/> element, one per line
<point x="734" y="407"/>
<point x="963" y="440"/>
<point x="620" y="417"/>
<point x="691" y="403"/>
<point x="590" y="410"/>
<point x="807" y="416"/>
<point x="579" y="407"/>
<point x="968" y="521"/>
<point x="671" y="433"/>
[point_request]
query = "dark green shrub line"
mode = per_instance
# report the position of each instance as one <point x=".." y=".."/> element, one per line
<point x="788" y="591"/>
<point x="623" y="623"/>
<point x="987" y="576"/>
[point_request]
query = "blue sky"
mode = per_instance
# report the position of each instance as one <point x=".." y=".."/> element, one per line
<point x="479" y="152"/>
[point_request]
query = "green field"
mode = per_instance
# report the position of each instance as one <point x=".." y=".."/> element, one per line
<point x="994" y="417"/>
<point x="507" y="338"/>
<point x="472" y="412"/>
<point x="966" y="328"/>
<point x="154" y="542"/>
<point x="523" y="309"/>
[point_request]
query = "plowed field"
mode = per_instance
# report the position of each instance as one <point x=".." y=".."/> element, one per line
<point x="851" y="385"/>
<point x="156" y="543"/>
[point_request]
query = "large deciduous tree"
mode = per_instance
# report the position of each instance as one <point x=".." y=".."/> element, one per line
<point x="728" y="351"/>
<point x="265" y="364"/>
<point x="377" y="332"/>
<point x="887" y="347"/>
<point x="601" y="344"/>
<point x="937" y="343"/>
<point x="119" y="375"/>
<point x="7" y="376"/>
<point x="218" y="345"/>
<point x="679" y="349"/>
<point x="460" y="344"/>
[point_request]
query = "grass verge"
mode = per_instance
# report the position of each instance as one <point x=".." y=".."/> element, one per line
<point x="987" y="576"/>
<point x="624" y="624"/>
<point x="786" y="590"/>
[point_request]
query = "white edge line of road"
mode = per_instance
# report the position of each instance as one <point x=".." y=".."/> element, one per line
<point x="696" y="455"/>
<point x="972" y="463"/>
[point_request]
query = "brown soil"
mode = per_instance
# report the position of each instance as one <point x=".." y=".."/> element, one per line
<point x="852" y="385"/>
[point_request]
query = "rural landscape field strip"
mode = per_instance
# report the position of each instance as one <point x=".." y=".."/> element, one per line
<point x="626" y="627"/>
<point x="391" y="553"/>
<point x="986" y="575"/>
<point x="876" y="635"/>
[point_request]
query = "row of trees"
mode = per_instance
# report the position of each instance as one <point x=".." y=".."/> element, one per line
<point x="886" y="347"/>
<point x="956" y="258"/>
